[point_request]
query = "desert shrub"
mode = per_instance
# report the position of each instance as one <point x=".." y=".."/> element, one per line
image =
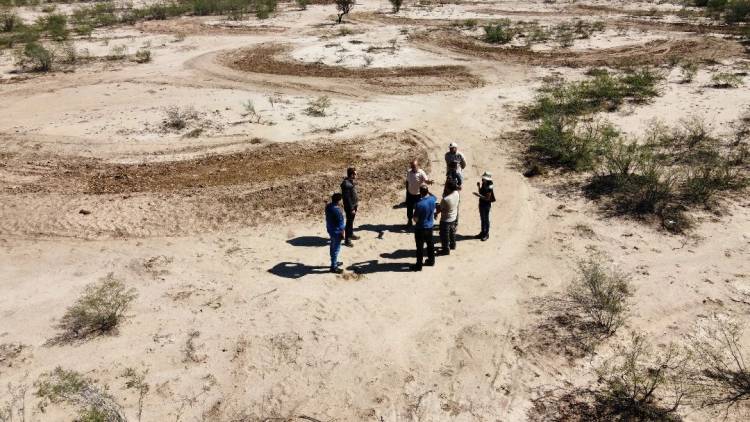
<point x="688" y="71"/>
<point x="601" y="294"/>
<point x="737" y="11"/>
<point x="143" y="55"/>
<point x="55" y="25"/>
<point x="343" y="7"/>
<point x="67" y="53"/>
<point x="302" y="4"/>
<point x="723" y="378"/>
<point x="602" y="92"/>
<point x="725" y="80"/>
<point x="117" y="52"/>
<point x="264" y="8"/>
<point x="135" y="380"/>
<point x="9" y="21"/>
<point x="72" y="388"/>
<point x="318" y="106"/>
<point x="640" y="384"/>
<point x="470" y="23"/>
<point x="177" y="118"/>
<point x="251" y="112"/>
<point x="498" y="33"/>
<point x="704" y="181"/>
<point x="566" y="142"/>
<point x="396" y="5"/>
<point x="36" y="58"/>
<point x="100" y="309"/>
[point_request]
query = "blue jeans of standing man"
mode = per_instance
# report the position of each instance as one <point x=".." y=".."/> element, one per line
<point x="335" y="249"/>
<point x="484" y="217"/>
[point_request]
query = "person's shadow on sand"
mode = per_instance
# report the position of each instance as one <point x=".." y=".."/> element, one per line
<point x="297" y="270"/>
<point x="309" y="241"/>
<point x="375" y="266"/>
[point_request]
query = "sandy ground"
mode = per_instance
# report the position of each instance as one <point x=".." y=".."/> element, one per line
<point x="219" y="228"/>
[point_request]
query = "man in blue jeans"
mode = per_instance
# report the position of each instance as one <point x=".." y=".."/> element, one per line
<point x="424" y="219"/>
<point x="335" y="225"/>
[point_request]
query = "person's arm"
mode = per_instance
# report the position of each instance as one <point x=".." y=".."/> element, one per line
<point x="426" y="178"/>
<point x="463" y="161"/>
<point x="341" y="221"/>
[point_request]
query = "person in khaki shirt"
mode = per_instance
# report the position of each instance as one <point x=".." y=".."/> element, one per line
<point x="415" y="177"/>
<point x="448" y="210"/>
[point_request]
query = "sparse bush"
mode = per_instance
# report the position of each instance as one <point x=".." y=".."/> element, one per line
<point x="688" y="71"/>
<point x="56" y="25"/>
<point x="36" y="57"/>
<point x="396" y="5"/>
<point x="566" y="142"/>
<point x="177" y="118"/>
<point x="9" y="21"/>
<point x="723" y="378"/>
<point x="601" y="294"/>
<point x="725" y="80"/>
<point x="143" y="55"/>
<point x="499" y="33"/>
<point x="343" y="7"/>
<point x="737" y="11"/>
<point x="135" y="380"/>
<point x="470" y="23"/>
<point x="74" y="389"/>
<point x="67" y="53"/>
<point x="640" y="384"/>
<point x="318" y="106"/>
<point x="302" y="4"/>
<point x="250" y="111"/>
<point x="117" y="52"/>
<point x="99" y="310"/>
<point x="264" y="8"/>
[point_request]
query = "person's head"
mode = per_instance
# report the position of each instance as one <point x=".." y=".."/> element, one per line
<point x="414" y="165"/>
<point x="351" y="172"/>
<point x="487" y="178"/>
<point x="336" y="198"/>
<point x="424" y="191"/>
<point x="450" y="187"/>
<point x="453" y="147"/>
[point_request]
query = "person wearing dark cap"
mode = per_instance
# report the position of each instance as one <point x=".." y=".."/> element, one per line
<point x="424" y="221"/>
<point x="335" y="227"/>
<point x="351" y="203"/>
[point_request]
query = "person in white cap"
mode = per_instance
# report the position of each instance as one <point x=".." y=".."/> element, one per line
<point x="486" y="196"/>
<point x="455" y="160"/>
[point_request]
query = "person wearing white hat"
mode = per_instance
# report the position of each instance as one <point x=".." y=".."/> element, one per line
<point x="486" y="196"/>
<point x="455" y="160"/>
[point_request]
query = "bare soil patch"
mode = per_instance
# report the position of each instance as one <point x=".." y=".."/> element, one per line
<point x="652" y="53"/>
<point x="267" y="59"/>
<point x="199" y="26"/>
<point x="66" y="195"/>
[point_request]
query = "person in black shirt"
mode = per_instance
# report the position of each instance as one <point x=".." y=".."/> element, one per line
<point x="351" y="202"/>
<point x="486" y="196"/>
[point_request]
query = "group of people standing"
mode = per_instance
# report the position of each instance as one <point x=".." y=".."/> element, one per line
<point x="422" y="209"/>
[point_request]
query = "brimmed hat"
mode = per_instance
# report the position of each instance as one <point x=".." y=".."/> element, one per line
<point x="487" y="176"/>
<point x="453" y="145"/>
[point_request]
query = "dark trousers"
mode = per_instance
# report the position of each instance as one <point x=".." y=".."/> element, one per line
<point x="448" y="235"/>
<point x="484" y="217"/>
<point x="335" y="249"/>
<point x="411" y="201"/>
<point x="422" y="236"/>
<point x="349" y="229"/>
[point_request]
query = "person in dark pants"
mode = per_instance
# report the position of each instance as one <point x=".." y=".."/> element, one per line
<point x="351" y="202"/>
<point x="424" y="219"/>
<point x="486" y="196"/>
<point x="415" y="177"/>
<point x="448" y="210"/>
<point x="335" y="227"/>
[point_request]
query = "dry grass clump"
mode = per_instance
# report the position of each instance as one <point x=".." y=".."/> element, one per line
<point x="726" y="80"/>
<point x="93" y="403"/>
<point x="178" y="118"/>
<point x="601" y="294"/>
<point x="99" y="310"/>
<point x="318" y="106"/>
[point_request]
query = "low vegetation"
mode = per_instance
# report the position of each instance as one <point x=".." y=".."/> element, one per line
<point x="726" y="80"/>
<point x="318" y="107"/>
<point x="661" y="175"/>
<point x="396" y="5"/>
<point x="731" y="11"/>
<point x="100" y="309"/>
<point x="343" y="7"/>
<point x="601" y="294"/>
<point x="136" y="381"/>
<point x="92" y="402"/>
<point x="178" y="118"/>
<point x="504" y="31"/>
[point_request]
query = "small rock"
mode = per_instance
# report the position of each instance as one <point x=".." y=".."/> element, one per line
<point x="84" y="212"/>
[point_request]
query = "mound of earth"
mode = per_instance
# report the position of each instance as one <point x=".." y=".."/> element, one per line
<point x="268" y="59"/>
<point x="84" y="197"/>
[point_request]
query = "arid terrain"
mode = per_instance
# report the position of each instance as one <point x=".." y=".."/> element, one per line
<point x="184" y="155"/>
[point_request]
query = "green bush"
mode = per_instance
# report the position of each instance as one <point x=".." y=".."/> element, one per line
<point x="36" y="58"/>
<point x="726" y="80"/>
<point x="264" y="8"/>
<point x="56" y="26"/>
<point x="143" y="55"/>
<point x="396" y="5"/>
<point x="318" y="107"/>
<point x="9" y="21"/>
<point x="737" y="11"/>
<point x="498" y="33"/>
<point x="99" y="310"/>
<point x="302" y="4"/>
<point x="601" y="294"/>
<point x="563" y="141"/>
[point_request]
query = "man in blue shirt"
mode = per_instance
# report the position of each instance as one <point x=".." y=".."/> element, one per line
<point x="424" y="219"/>
<point x="335" y="226"/>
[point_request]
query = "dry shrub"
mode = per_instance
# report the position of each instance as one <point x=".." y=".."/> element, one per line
<point x="99" y="310"/>
<point x="641" y="384"/>
<point x="93" y="403"/>
<point x="723" y="378"/>
<point x="178" y="118"/>
<point x="318" y="106"/>
<point x="601" y="295"/>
